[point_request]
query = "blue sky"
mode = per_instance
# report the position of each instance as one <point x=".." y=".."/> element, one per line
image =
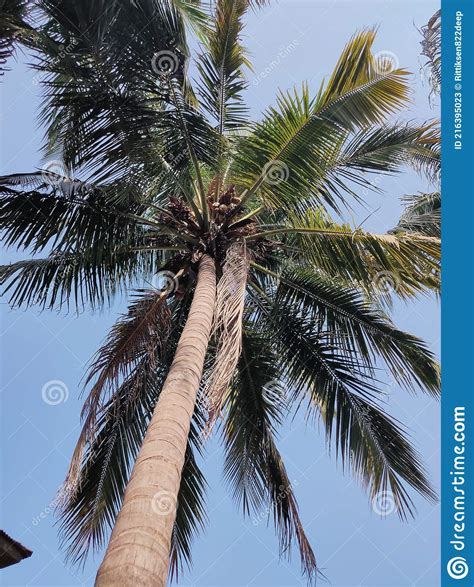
<point x="290" y="42"/>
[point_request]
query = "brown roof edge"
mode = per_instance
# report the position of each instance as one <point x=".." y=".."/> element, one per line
<point x="11" y="551"/>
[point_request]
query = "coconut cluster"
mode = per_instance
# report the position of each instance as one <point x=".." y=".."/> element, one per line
<point x="228" y="223"/>
<point x="227" y="205"/>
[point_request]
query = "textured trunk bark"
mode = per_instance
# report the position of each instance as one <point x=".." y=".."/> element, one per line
<point x="138" y="551"/>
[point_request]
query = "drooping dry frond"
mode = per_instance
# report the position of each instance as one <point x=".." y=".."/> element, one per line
<point x="87" y="516"/>
<point x="143" y="331"/>
<point x="431" y="45"/>
<point x="422" y="215"/>
<point x="228" y="325"/>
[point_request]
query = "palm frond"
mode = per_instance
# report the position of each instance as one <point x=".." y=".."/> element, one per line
<point x="220" y="67"/>
<point x="285" y="154"/>
<point x="64" y="202"/>
<point x="46" y="210"/>
<point x="431" y="45"/>
<point x="422" y="215"/>
<point x="96" y="238"/>
<point x="378" y="89"/>
<point x="142" y="332"/>
<point x="253" y="466"/>
<point x="194" y="14"/>
<point x="344" y="394"/>
<point x="402" y="264"/>
<point x="89" y="513"/>
<point x="12" y="24"/>
<point x="201" y="146"/>
<point x="90" y="278"/>
<point x="352" y="325"/>
<point x="386" y="149"/>
<point x="426" y="159"/>
<point x="104" y="103"/>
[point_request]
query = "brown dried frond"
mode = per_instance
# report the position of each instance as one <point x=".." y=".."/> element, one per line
<point x="227" y="326"/>
<point x="143" y="330"/>
<point x="431" y="45"/>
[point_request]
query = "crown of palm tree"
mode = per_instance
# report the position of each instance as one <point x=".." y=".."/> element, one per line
<point x="172" y="170"/>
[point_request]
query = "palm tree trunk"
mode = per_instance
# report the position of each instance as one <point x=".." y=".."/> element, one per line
<point x="138" y="551"/>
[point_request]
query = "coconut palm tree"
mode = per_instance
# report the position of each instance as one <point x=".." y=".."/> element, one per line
<point x="250" y="297"/>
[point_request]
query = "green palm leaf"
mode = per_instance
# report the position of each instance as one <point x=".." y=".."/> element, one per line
<point x="43" y="210"/>
<point x="87" y="279"/>
<point x="95" y="236"/>
<point x="12" y="25"/>
<point x="295" y="139"/>
<point x="385" y="149"/>
<point x="253" y="466"/>
<point x="354" y="326"/>
<point x="342" y="392"/>
<point x="403" y="264"/>
<point x="422" y="215"/>
<point x="220" y="67"/>
<point x="104" y="103"/>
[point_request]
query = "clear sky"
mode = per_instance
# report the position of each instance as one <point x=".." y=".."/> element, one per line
<point x="290" y="42"/>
